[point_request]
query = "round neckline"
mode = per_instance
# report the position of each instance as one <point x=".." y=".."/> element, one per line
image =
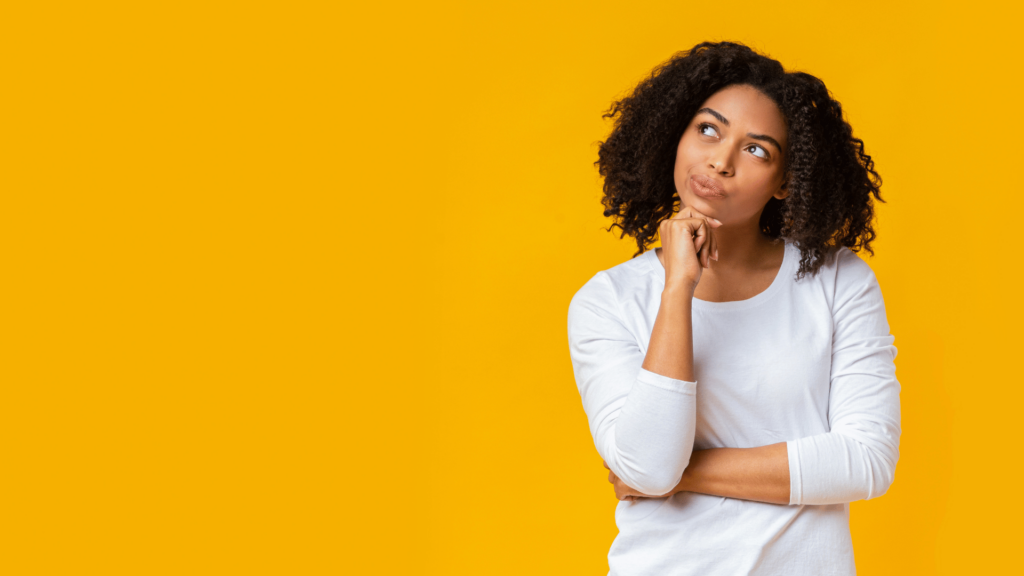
<point x="777" y="283"/>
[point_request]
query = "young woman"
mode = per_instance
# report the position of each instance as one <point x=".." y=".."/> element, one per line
<point x="738" y="381"/>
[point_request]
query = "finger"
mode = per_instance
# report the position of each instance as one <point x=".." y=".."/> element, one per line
<point x="714" y="246"/>
<point x="700" y="235"/>
<point x="706" y="252"/>
<point x="689" y="212"/>
<point x="700" y="242"/>
<point x="711" y="244"/>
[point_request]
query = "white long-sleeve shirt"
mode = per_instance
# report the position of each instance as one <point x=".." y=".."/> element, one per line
<point x="806" y="362"/>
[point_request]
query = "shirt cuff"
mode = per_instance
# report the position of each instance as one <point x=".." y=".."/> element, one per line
<point x="666" y="383"/>
<point x="795" y="484"/>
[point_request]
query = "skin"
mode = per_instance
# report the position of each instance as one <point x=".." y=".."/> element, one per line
<point x="713" y="250"/>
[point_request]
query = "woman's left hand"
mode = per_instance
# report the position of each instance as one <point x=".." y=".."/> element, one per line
<point x="622" y="492"/>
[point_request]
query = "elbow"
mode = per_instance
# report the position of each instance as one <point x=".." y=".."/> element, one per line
<point x="883" y="471"/>
<point x="660" y="478"/>
<point x="651" y="466"/>
<point x="843" y="467"/>
<point x="875" y="469"/>
<point x="656" y="484"/>
<point x="880" y="453"/>
<point x="871" y="454"/>
<point x="654" y="479"/>
<point x="664" y="484"/>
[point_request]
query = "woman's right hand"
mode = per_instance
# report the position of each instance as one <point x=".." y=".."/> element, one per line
<point x="688" y="245"/>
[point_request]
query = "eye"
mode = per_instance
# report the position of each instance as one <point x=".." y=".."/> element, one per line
<point x="703" y="125"/>
<point x="763" y="151"/>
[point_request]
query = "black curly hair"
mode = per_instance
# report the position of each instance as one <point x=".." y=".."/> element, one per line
<point x="830" y="180"/>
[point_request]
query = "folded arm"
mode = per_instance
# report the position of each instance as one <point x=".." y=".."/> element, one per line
<point x="760" y="474"/>
<point x="854" y="460"/>
<point x="642" y="414"/>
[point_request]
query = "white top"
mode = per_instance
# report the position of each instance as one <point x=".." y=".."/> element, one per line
<point x="808" y="362"/>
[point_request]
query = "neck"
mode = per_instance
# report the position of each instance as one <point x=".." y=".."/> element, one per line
<point x="742" y="246"/>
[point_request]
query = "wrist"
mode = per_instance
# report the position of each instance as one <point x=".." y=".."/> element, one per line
<point x="685" y="484"/>
<point x="679" y="288"/>
<point x="689" y="482"/>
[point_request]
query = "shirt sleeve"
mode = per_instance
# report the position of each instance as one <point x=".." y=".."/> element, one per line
<point x="856" y="459"/>
<point x="643" y="423"/>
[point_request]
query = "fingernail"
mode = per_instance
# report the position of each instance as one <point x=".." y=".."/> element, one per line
<point x="716" y="254"/>
<point x="717" y="220"/>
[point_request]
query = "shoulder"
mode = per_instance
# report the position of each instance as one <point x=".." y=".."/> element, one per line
<point x="851" y="270"/>
<point x="842" y="267"/>
<point x="605" y="289"/>
<point x="850" y="282"/>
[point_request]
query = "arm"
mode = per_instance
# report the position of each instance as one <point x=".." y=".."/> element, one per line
<point x="642" y="407"/>
<point x="643" y="422"/>
<point x="857" y="458"/>
<point x="760" y="474"/>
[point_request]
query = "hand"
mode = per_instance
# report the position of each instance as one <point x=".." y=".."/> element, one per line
<point x="688" y="245"/>
<point x="622" y="492"/>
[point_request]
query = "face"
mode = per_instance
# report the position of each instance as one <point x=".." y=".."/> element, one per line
<point x="730" y="160"/>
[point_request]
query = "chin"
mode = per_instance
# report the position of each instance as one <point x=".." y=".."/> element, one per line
<point x="698" y="204"/>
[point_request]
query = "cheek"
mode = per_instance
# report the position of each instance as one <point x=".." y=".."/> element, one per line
<point x="770" y="181"/>
<point x="682" y="169"/>
<point x="684" y="156"/>
<point x="760" y="189"/>
<point x="763" y="182"/>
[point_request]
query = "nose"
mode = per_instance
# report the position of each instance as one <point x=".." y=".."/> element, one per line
<point x="721" y="160"/>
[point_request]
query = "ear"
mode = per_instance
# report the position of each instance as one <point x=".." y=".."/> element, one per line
<point x="782" y="193"/>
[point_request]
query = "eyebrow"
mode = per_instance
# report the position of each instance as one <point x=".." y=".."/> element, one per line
<point x="723" y="120"/>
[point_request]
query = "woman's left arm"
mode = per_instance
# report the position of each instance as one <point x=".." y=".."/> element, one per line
<point x="760" y="474"/>
<point x="854" y="460"/>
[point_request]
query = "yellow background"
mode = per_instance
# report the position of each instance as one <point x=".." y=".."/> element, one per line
<point x="285" y="284"/>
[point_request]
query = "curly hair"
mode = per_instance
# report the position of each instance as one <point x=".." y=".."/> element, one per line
<point x="831" y="181"/>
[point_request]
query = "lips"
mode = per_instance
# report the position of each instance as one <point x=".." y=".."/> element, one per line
<point x="706" y="187"/>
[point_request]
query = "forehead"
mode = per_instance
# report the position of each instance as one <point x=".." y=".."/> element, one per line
<point x="749" y="110"/>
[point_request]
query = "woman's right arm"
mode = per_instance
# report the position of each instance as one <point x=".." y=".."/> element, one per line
<point x="642" y="408"/>
<point x="686" y="246"/>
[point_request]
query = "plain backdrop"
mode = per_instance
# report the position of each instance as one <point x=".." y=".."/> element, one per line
<point x="286" y="283"/>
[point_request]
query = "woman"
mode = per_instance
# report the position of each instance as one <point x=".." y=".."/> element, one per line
<point x="738" y="381"/>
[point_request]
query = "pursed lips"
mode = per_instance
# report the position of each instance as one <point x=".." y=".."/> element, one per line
<point x="707" y="186"/>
